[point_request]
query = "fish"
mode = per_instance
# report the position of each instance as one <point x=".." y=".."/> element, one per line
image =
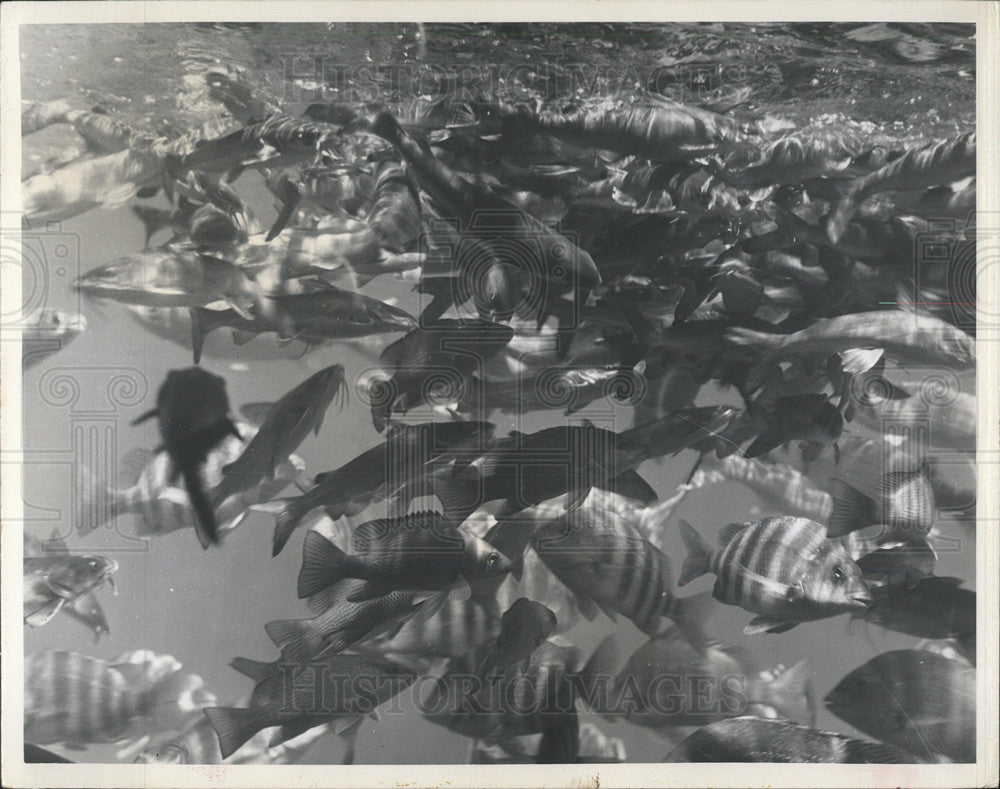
<point x="433" y="361"/>
<point x="309" y="695"/>
<point x="323" y="313"/>
<point x="560" y="742"/>
<point x="904" y="562"/>
<point x="909" y="338"/>
<point x="38" y="115"/>
<point x="810" y="418"/>
<point x="286" y="425"/>
<point x="670" y="682"/>
<point x="653" y="132"/>
<point x="796" y="158"/>
<point x="54" y="580"/>
<point x="384" y="471"/>
<point x="106" y="181"/>
<point x="162" y="506"/>
<point x="103" y="133"/>
<point x="950" y="425"/>
<point x="751" y="739"/>
<point x="523" y="628"/>
<point x="419" y="551"/>
<point x="75" y="699"/>
<point x="509" y="236"/>
<point x="941" y="162"/>
<point x="172" y="277"/>
<point x="193" y="412"/>
<point x="904" y="504"/>
<point x="231" y="90"/>
<point x="50" y="332"/>
<point x="934" y="607"/>
<point x="609" y="565"/>
<point x="779" y="487"/>
<point x="784" y="569"/>
<point x="913" y="699"/>
<point x="395" y="215"/>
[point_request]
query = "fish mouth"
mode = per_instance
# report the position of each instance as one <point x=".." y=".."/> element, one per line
<point x="861" y="601"/>
<point x="114" y="587"/>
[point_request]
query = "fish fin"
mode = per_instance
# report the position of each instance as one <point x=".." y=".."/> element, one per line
<point x="765" y="442"/>
<point x="699" y="559"/>
<point x="234" y="727"/>
<point x="690" y="614"/>
<point x="631" y="485"/>
<point x="321" y="601"/>
<point x="837" y="220"/>
<point x="42" y="616"/>
<point x="321" y="564"/>
<point x="458" y="497"/>
<point x="147" y="191"/>
<point x="289" y="195"/>
<point x="290" y="731"/>
<point x="344" y="725"/>
<point x="290" y="636"/>
<point x="860" y="360"/>
<point x="789" y="689"/>
<point x="143" y="417"/>
<point x="56" y="545"/>
<point x="242" y="337"/>
<point x="256" y="413"/>
<point x="763" y="624"/>
<point x="601" y="667"/>
<point x="286" y="519"/>
<point x="239" y="308"/>
<point x="257" y="670"/>
<point x="575" y="497"/>
<point x="776" y="586"/>
<point x="852" y="509"/>
<point x="205" y="526"/>
<point x="431" y="605"/>
<point x="729" y="531"/>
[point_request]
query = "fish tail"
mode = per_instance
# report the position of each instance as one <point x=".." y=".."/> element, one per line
<point x="295" y="638"/>
<point x="792" y="693"/>
<point x="458" y="497"/>
<point x="852" y="509"/>
<point x="257" y="670"/>
<point x="699" y="559"/>
<point x="690" y="614"/>
<point x="322" y="564"/>
<point x="286" y="516"/>
<point x="233" y="725"/>
<point x="201" y="326"/>
<point x="205" y="526"/>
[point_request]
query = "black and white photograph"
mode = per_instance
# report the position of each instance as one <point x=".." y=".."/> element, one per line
<point x="549" y="399"/>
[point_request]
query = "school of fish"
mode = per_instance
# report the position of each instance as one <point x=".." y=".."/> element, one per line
<point x="651" y="256"/>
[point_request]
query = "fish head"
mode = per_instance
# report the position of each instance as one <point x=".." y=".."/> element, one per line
<point x="72" y="576"/>
<point x="212" y="228"/>
<point x="58" y="323"/>
<point x="482" y="560"/>
<point x="836" y="583"/>
<point x="499" y="290"/>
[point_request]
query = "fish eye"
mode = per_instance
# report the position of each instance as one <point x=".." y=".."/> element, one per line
<point x="493" y="559"/>
<point x="839" y="574"/>
<point x="93" y="564"/>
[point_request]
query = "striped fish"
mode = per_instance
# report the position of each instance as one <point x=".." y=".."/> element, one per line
<point x="779" y="487"/>
<point x="76" y="699"/>
<point x="913" y="699"/>
<point x="102" y="132"/>
<point x="949" y="425"/>
<point x="163" y="506"/>
<point x="904" y="504"/>
<point x="785" y="569"/>
<point x="610" y="565"/>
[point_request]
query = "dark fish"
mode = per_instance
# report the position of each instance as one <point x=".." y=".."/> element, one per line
<point x="417" y="551"/>
<point x="560" y="743"/>
<point x="524" y="626"/>
<point x="905" y="562"/>
<point x="54" y="580"/>
<point x="934" y="607"/>
<point x="750" y="739"/>
<point x="811" y="418"/>
<point x="287" y="424"/>
<point x="193" y="412"/>
<point x="905" y="506"/>
<point x="609" y="565"/>
<point x="915" y="700"/>
<point x="433" y="362"/>
<point x="232" y="91"/>
<point x="339" y="688"/>
<point x="384" y="471"/>
<point x="785" y="569"/>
